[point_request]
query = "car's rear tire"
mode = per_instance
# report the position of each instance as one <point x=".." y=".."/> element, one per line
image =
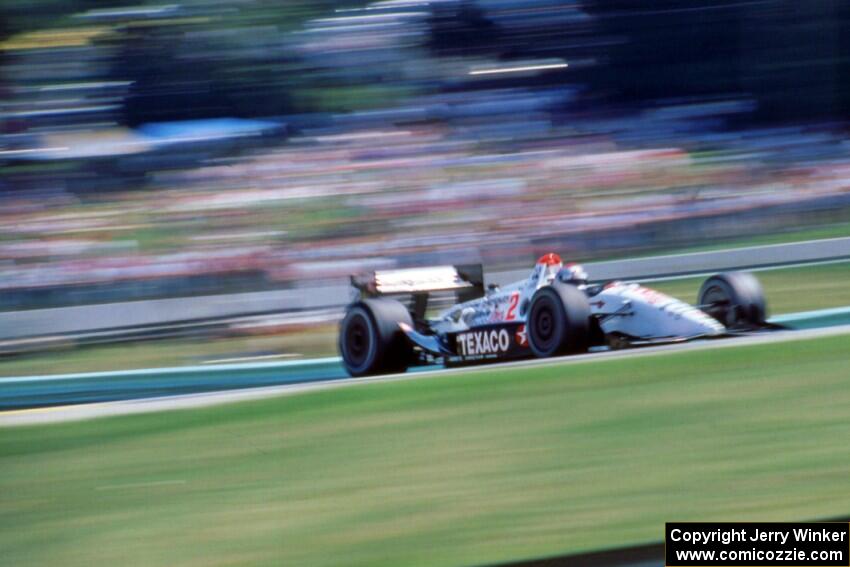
<point x="736" y="299"/>
<point x="370" y="339"/>
<point x="558" y="321"/>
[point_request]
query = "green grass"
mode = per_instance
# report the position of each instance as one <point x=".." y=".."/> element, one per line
<point x="310" y="343"/>
<point x="467" y="469"/>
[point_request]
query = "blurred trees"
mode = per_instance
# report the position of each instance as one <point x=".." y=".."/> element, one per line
<point x="792" y="57"/>
<point x="196" y="59"/>
<point x="185" y="72"/>
<point x="669" y="48"/>
<point x="796" y="59"/>
<point x="216" y="60"/>
<point x="238" y="59"/>
<point x="462" y="28"/>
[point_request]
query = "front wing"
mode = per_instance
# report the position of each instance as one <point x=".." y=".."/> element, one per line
<point x="500" y="341"/>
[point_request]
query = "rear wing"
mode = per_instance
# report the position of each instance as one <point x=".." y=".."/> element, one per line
<point x="466" y="280"/>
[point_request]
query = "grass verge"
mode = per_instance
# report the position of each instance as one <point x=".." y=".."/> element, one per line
<point x="307" y="343"/>
<point x="466" y="469"/>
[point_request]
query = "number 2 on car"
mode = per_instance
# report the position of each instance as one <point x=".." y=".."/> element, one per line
<point x="514" y="300"/>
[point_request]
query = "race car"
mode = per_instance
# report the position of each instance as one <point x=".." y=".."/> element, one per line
<point x="556" y="310"/>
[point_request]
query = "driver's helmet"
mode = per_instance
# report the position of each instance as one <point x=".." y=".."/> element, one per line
<point x="548" y="266"/>
<point x="574" y="274"/>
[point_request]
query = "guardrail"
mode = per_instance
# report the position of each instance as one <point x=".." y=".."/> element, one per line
<point x="696" y="263"/>
<point x="89" y="387"/>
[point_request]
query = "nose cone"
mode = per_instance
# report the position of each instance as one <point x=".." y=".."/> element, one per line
<point x="699" y="323"/>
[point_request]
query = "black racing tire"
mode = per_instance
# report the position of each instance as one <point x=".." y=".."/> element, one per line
<point x="736" y="299"/>
<point x="370" y="339"/>
<point x="558" y="321"/>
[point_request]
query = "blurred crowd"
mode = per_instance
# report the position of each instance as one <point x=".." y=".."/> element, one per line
<point x="387" y="134"/>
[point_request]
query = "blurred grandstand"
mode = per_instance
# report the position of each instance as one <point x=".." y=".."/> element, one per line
<point x="154" y="151"/>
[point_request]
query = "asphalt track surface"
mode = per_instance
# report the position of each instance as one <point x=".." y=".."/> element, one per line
<point x="62" y="413"/>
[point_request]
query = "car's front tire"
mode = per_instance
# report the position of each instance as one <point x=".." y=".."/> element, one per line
<point x="370" y="339"/>
<point x="736" y="299"/>
<point x="558" y="321"/>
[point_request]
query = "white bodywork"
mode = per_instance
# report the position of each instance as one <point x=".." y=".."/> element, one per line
<point x="621" y="308"/>
<point x="636" y="311"/>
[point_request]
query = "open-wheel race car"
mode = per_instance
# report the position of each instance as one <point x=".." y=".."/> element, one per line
<point x="555" y="311"/>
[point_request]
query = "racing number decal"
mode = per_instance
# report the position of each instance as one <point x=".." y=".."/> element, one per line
<point x="514" y="300"/>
